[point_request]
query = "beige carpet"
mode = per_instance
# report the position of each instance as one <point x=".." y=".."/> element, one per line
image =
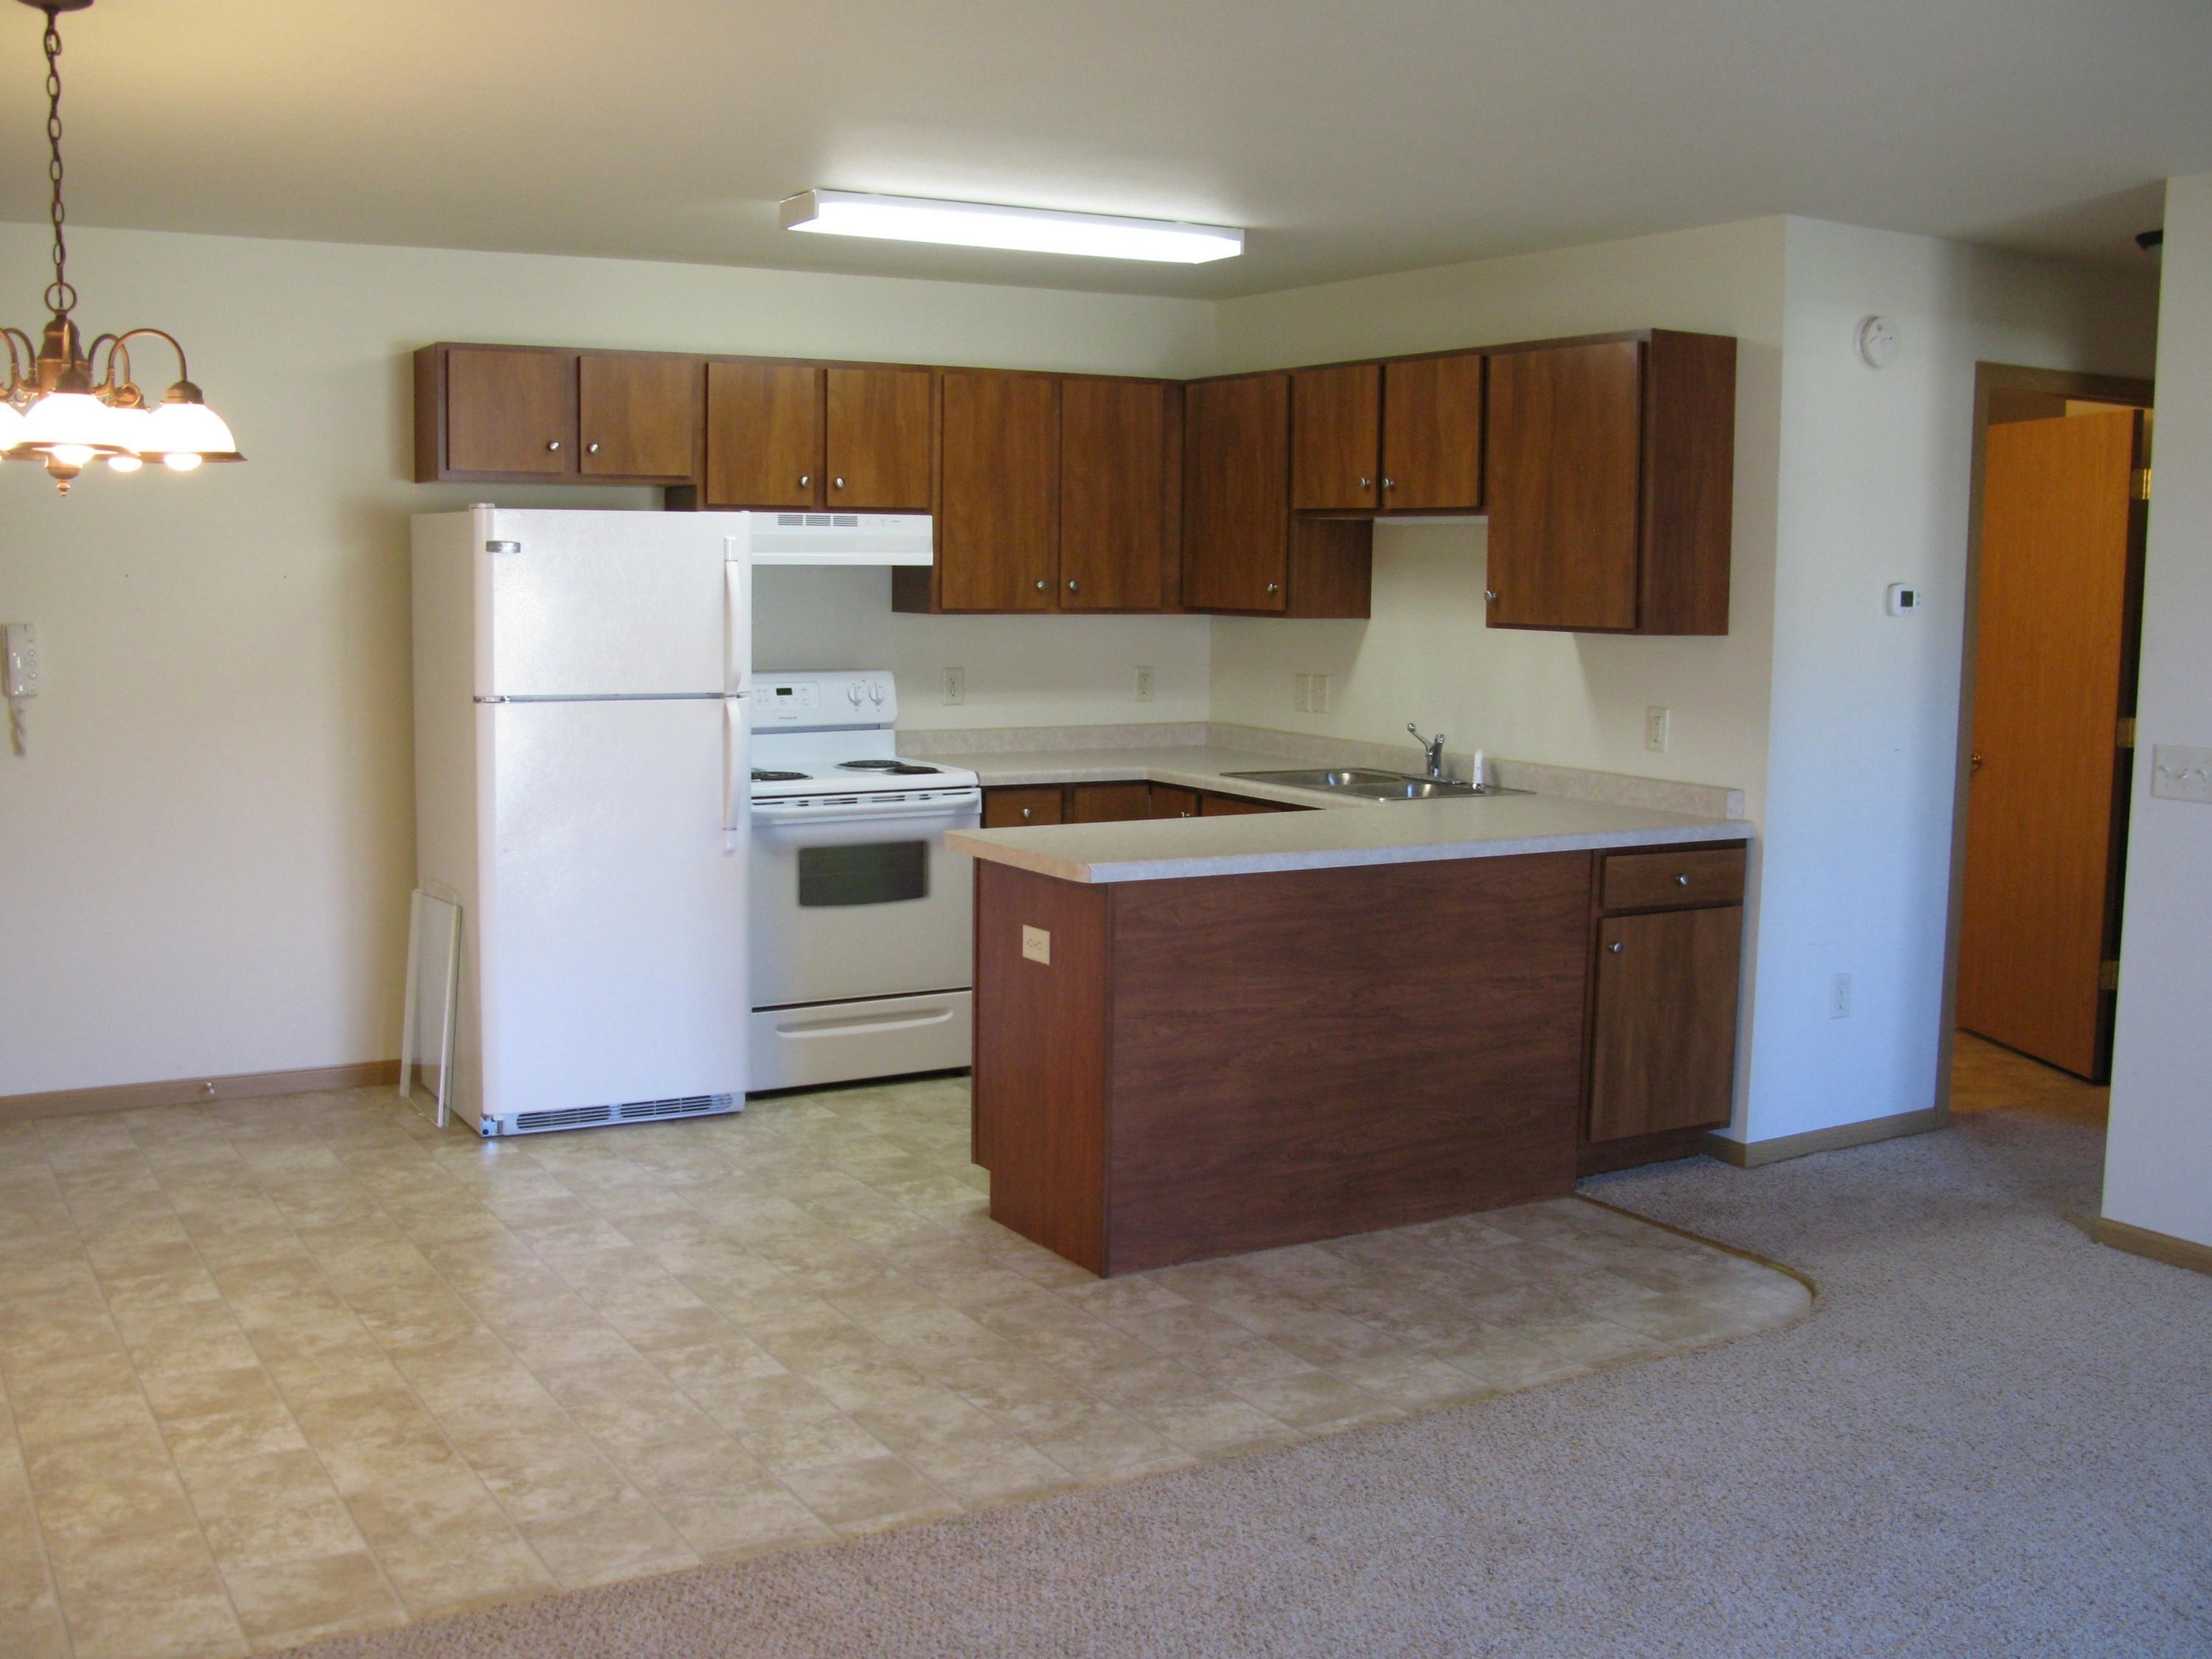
<point x="1992" y="1437"/>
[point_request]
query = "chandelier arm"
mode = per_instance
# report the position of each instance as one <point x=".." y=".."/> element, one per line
<point x="30" y="354"/>
<point x="122" y="343"/>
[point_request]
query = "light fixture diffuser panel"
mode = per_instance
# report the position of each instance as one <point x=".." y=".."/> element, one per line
<point x="1034" y="230"/>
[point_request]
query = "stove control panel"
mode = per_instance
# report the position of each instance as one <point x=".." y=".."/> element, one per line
<point x="825" y="701"/>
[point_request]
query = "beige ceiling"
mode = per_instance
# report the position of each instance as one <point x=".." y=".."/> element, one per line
<point x="1348" y="138"/>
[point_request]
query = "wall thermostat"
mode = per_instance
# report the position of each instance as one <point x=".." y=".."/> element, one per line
<point x="1877" y="342"/>
<point x="1903" y="599"/>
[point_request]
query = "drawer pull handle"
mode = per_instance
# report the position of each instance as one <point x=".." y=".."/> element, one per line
<point x="1615" y="947"/>
<point x="1681" y="881"/>
<point x="1027" y="811"/>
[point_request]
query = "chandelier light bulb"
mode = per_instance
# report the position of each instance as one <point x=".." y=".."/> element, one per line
<point x="182" y="461"/>
<point x="124" y="463"/>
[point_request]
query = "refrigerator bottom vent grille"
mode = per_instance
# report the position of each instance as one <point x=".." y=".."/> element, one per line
<point x="687" y="1106"/>
<point x="571" y="1117"/>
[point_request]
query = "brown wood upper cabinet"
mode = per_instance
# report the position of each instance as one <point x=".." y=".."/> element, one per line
<point x="999" y="502"/>
<point x="1336" y="437"/>
<point x="1242" y="549"/>
<point x="496" y="414"/>
<point x="637" y="416"/>
<point x="1611" y="476"/>
<point x="801" y="435"/>
<point x="1432" y="434"/>
<point x="1115" y="443"/>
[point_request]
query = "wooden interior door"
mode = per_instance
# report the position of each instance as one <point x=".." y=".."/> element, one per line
<point x="1566" y="450"/>
<point x="1236" y="493"/>
<point x="511" y="411"/>
<point x="1113" y="500"/>
<point x="1336" y="437"/>
<point x="763" y="435"/>
<point x="639" y="415"/>
<point x="877" y="440"/>
<point x="1662" y="1052"/>
<point x="2046" y="788"/>
<point x="998" y="512"/>
<point x="1432" y="434"/>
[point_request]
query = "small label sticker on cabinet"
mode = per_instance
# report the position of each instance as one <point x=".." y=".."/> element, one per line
<point x="1036" y="944"/>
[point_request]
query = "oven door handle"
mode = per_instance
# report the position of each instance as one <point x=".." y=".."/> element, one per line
<point x="775" y="815"/>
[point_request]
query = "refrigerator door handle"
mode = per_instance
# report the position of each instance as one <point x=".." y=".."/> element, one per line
<point x="737" y="775"/>
<point x="736" y="618"/>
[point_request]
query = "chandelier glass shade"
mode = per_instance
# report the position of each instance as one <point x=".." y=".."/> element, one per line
<point x="66" y="404"/>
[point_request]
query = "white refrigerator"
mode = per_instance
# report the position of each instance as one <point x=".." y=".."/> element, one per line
<point x="581" y="771"/>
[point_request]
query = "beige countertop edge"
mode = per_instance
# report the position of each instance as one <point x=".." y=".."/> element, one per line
<point x="1019" y="849"/>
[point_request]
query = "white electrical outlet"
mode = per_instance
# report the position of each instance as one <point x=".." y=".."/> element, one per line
<point x="1143" y="685"/>
<point x="1036" y="944"/>
<point x="2178" y="773"/>
<point x="1839" y="996"/>
<point x="1302" y="693"/>
<point x="1657" y="724"/>
<point x="1320" y="701"/>
<point x="956" y="685"/>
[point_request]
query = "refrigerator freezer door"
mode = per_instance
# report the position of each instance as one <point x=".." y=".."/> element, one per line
<point x="604" y="604"/>
<point x="613" y="908"/>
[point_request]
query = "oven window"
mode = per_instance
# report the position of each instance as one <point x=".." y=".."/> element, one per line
<point x="878" y="872"/>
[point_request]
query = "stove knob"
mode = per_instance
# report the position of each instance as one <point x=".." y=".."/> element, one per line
<point x="852" y="692"/>
<point x="876" y="693"/>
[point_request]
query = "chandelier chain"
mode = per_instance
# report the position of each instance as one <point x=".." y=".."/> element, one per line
<point x="60" y="296"/>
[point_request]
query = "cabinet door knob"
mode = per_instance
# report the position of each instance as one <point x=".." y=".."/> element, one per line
<point x="1071" y="584"/>
<point x="1041" y="587"/>
<point x="1490" y="595"/>
<point x="1273" y="587"/>
<point x="1027" y="811"/>
<point x="556" y="444"/>
<point x="839" y="483"/>
<point x="805" y="480"/>
<point x="1389" y="483"/>
<point x="1681" y="881"/>
<point x="590" y="449"/>
<point x="1615" y="947"/>
<point x="1365" y="484"/>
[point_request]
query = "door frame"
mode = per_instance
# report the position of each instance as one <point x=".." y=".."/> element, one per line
<point x="1990" y="380"/>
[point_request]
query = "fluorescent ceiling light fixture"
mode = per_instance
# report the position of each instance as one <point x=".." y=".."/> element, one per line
<point x="1036" y="230"/>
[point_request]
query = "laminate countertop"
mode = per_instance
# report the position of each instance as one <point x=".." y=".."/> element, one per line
<point x="1362" y="832"/>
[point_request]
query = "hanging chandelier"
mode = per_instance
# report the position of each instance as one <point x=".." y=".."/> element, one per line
<point x="58" y="409"/>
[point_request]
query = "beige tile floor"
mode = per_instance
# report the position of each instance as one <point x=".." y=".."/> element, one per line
<point x="1986" y="1077"/>
<point x="284" y="1368"/>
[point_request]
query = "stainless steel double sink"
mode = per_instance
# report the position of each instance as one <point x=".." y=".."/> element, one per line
<point x="1372" y="785"/>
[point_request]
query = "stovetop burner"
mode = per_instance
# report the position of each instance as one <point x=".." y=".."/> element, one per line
<point x="761" y="776"/>
<point x="896" y="768"/>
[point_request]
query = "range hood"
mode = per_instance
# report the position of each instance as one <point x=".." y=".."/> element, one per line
<point x="837" y="539"/>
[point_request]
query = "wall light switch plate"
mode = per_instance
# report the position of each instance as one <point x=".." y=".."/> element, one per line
<point x="1658" y="724"/>
<point x="1143" y="685"/>
<point x="21" y="640"/>
<point x="1036" y="944"/>
<point x="956" y="685"/>
<point x="1320" y="703"/>
<point x="1302" y="693"/>
<point x="1839" y="996"/>
<point x="2180" y="773"/>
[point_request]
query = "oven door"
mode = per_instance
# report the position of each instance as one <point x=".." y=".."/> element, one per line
<point x="859" y="900"/>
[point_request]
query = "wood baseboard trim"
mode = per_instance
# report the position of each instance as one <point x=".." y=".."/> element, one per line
<point x="2159" y="1247"/>
<point x="196" y="1091"/>
<point x="1751" y="1154"/>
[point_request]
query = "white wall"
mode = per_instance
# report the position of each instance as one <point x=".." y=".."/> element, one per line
<point x="2158" y="1156"/>
<point x="1874" y="488"/>
<point x="1569" y="700"/>
<point x="207" y="850"/>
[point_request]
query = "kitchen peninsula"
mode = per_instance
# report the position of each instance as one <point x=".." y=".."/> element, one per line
<point x="1200" y="1036"/>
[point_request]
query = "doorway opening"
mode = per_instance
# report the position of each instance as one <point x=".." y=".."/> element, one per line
<point x="2054" y="598"/>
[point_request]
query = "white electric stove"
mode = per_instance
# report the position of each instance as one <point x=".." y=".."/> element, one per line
<point x="861" y="936"/>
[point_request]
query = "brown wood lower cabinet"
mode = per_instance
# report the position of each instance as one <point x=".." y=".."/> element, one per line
<point x="1013" y="807"/>
<point x="1216" y="1064"/>
<point x="1666" y="944"/>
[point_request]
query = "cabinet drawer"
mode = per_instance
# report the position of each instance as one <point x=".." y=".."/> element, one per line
<point x="1012" y="809"/>
<point x="1108" y="802"/>
<point x="1168" y="802"/>
<point x="1675" y="879"/>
